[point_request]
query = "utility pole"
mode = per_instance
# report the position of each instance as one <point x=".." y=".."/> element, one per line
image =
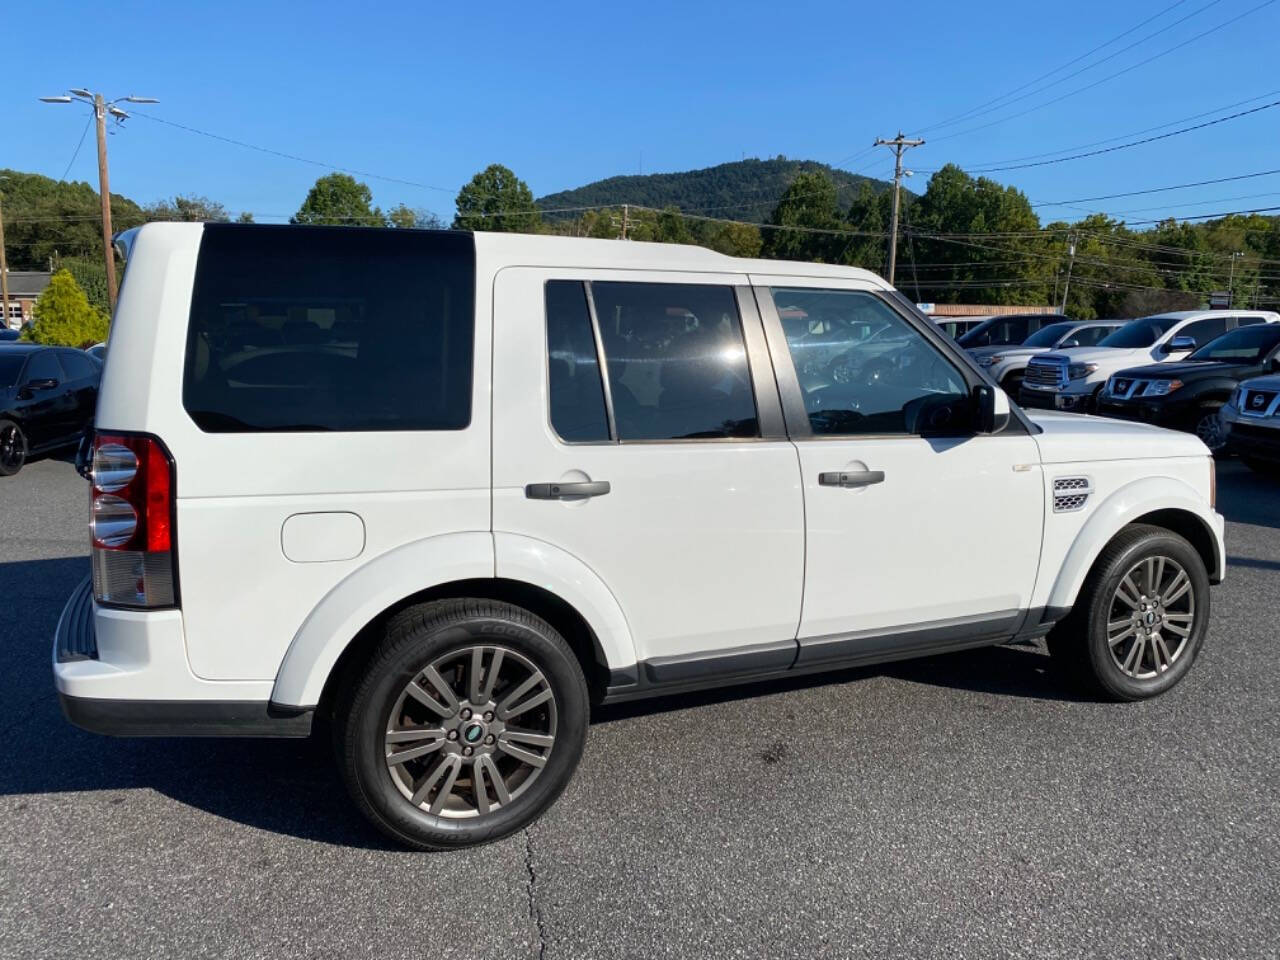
<point x="102" y="107"/>
<point x="900" y="144"/>
<point x="626" y="216"/>
<point x="1071" y="251"/>
<point x="1231" y="282"/>
<point x="4" y="268"/>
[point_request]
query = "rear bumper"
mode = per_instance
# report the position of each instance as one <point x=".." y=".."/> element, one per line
<point x="125" y="673"/>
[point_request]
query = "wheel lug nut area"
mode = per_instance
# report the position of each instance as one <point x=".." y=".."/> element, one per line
<point x="453" y="734"/>
<point x="466" y="714"/>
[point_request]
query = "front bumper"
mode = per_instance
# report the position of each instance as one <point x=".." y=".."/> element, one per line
<point x="125" y="673"/>
<point x="1175" y="416"/>
<point x="1041" y="399"/>
<point x="1245" y="439"/>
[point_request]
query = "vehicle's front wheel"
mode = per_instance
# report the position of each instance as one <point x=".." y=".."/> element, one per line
<point x="13" y="448"/>
<point x="466" y="725"/>
<point x="1140" y="619"/>
<point x="1208" y="427"/>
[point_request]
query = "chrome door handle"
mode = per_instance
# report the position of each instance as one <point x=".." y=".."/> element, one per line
<point x="566" y="491"/>
<point x="851" y="478"/>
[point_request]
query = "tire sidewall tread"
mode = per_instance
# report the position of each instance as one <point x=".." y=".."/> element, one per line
<point x="413" y="638"/>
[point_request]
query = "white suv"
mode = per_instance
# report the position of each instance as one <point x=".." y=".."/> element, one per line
<point x="1072" y="380"/>
<point x="438" y="493"/>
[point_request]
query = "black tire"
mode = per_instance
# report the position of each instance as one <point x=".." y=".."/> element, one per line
<point x="13" y="448"/>
<point x="1268" y="468"/>
<point x="414" y="639"/>
<point x="1205" y="411"/>
<point x="1079" y="644"/>
<point x="1012" y="385"/>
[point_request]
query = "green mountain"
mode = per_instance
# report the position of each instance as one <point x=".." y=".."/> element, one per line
<point x="742" y="190"/>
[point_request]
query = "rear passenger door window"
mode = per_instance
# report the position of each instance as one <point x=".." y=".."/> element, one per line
<point x="674" y="355"/>
<point x="1089" y="336"/>
<point x="1202" y="331"/>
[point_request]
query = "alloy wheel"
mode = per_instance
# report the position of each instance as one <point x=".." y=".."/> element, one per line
<point x="471" y="732"/>
<point x="1150" y="618"/>
<point x="12" y="451"/>
<point x="1209" y="430"/>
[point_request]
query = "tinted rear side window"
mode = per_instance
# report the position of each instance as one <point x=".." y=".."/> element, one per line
<point x="327" y="328"/>
<point x="77" y="365"/>
<point x="577" y="395"/>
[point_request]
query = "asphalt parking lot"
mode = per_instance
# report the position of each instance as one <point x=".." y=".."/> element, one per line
<point x="961" y="806"/>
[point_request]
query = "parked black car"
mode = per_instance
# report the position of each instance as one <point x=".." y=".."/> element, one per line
<point x="47" y="399"/>
<point x="7" y="334"/>
<point x="1188" y="395"/>
<point x="1007" y="330"/>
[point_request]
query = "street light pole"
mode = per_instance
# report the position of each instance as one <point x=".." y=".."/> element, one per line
<point x="1231" y="282"/>
<point x="102" y="107"/>
<point x="1071" y="251"/>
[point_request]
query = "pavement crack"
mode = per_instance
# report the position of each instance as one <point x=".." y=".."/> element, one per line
<point x="535" y="910"/>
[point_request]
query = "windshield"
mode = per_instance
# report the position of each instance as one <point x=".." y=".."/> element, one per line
<point x="1139" y="333"/>
<point x="1243" y="345"/>
<point x="1048" y="336"/>
<point x="10" y="368"/>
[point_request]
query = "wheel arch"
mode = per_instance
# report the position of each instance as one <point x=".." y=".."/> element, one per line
<point x="344" y="627"/>
<point x="1158" y="501"/>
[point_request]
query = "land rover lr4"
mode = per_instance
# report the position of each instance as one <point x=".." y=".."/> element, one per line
<point x="437" y="494"/>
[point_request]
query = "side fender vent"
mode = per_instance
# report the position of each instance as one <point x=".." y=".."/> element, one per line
<point x="1071" y="493"/>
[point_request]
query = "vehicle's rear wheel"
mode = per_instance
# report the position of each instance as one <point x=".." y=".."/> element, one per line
<point x="13" y="448"/>
<point x="465" y="726"/>
<point x="1140" y="619"/>
<point x="1208" y="427"/>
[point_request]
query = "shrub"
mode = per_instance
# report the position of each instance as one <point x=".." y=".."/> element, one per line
<point x="64" y="316"/>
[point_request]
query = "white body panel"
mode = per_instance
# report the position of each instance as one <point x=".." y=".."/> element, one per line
<point x="701" y="542"/>
<point x="701" y="547"/>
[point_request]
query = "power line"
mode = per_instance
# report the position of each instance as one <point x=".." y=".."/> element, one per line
<point x="290" y="156"/>
<point x="79" y="144"/>
<point x="1132" y="133"/>
<point x="1112" y="76"/>
<point x="997" y="105"/>
<point x="1132" y="143"/>
<point x="1139" y="193"/>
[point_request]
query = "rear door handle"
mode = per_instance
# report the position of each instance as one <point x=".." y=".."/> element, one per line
<point x="565" y="491"/>
<point x="851" y="478"/>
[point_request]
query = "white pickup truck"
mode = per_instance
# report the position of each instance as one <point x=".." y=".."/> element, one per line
<point x="1072" y="379"/>
<point x="440" y="492"/>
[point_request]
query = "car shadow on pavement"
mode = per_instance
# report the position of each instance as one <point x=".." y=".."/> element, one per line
<point x="1013" y="670"/>
<point x="1248" y="497"/>
<point x="291" y="787"/>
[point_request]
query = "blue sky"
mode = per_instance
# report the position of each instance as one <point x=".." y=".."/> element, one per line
<point x="567" y="93"/>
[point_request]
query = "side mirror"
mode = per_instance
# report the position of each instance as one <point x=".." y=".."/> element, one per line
<point x="991" y="405"/>
<point x="1066" y="344"/>
<point x="1179" y="345"/>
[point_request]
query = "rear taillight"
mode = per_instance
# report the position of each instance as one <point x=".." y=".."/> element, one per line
<point x="131" y="521"/>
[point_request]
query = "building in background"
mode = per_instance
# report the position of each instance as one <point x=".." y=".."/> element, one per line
<point x="24" y="287"/>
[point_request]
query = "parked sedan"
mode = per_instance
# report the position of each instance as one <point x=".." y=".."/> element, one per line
<point x="6" y="334"/>
<point x="47" y="399"/>
<point x="1189" y="395"/>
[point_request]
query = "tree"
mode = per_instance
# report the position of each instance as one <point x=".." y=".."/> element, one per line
<point x="63" y="315"/>
<point x="734" y="239"/>
<point x="670" y="227"/>
<point x="870" y="215"/>
<point x="245" y="217"/>
<point x="405" y="217"/>
<point x="91" y="276"/>
<point x="339" y="199"/>
<point x="192" y="209"/>
<point x="45" y="219"/>
<point x="496" y="199"/>
<point x="808" y="206"/>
